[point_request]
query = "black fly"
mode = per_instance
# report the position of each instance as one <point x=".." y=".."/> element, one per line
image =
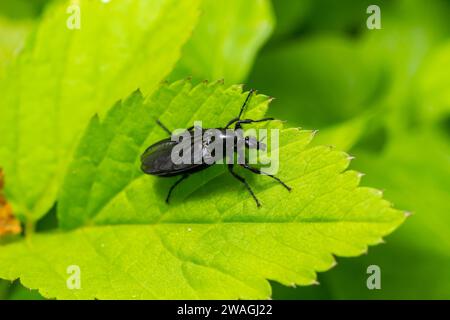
<point x="156" y="160"/>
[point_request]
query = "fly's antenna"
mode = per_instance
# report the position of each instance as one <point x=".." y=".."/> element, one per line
<point x="247" y="100"/>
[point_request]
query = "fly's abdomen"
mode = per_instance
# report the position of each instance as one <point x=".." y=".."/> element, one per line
<point x="157" y="160"/>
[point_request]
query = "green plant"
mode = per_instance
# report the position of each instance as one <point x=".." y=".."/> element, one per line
<point x="216" y="243"/>
<point x="112" y="220"/>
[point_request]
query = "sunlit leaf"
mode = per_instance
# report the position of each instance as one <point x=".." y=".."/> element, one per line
<point x="226" y="40"/>
<point x="65" y="75"/>
<point x="212" y="241"/>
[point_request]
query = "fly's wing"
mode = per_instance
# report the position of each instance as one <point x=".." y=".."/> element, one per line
<point x="157" y="160"/>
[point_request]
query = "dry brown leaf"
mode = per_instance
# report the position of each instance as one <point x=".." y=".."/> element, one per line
<point x="9" y="224"/>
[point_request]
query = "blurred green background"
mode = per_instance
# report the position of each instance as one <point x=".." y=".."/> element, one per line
<point x="382" y="95"/>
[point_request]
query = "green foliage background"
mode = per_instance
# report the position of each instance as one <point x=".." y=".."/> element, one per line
<point x="381" y="95"/>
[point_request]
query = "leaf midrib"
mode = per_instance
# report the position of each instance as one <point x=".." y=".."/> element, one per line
<point x="94" y="214"/>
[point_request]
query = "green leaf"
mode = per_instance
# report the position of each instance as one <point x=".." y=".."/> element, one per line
<point x="15" y="291"/>
<point x="12" y="39"/>
<point x="4" y="289"/>
<point x="66" y="75"/>
<point x="417" y="163"/>
<point x="415" y="173"/>
<point x="211" y="241"/>
<point x="226" y="40"/>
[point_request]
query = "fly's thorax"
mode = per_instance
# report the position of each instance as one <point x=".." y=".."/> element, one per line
<point x="214" y="145"/>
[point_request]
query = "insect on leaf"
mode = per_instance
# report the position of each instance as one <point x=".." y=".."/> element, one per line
<point x="211" y="241"/>
<point x="66" y="74"/>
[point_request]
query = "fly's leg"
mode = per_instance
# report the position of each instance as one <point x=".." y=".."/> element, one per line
<point x="241" y="179"/>
<point x="163" y="127"/>
<point x="258" y="171"/>
<point x="246" y="102"/>
<point x="240" y="122"/>
<point x="231" y="122"/>
<point x="174" y="185"/>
